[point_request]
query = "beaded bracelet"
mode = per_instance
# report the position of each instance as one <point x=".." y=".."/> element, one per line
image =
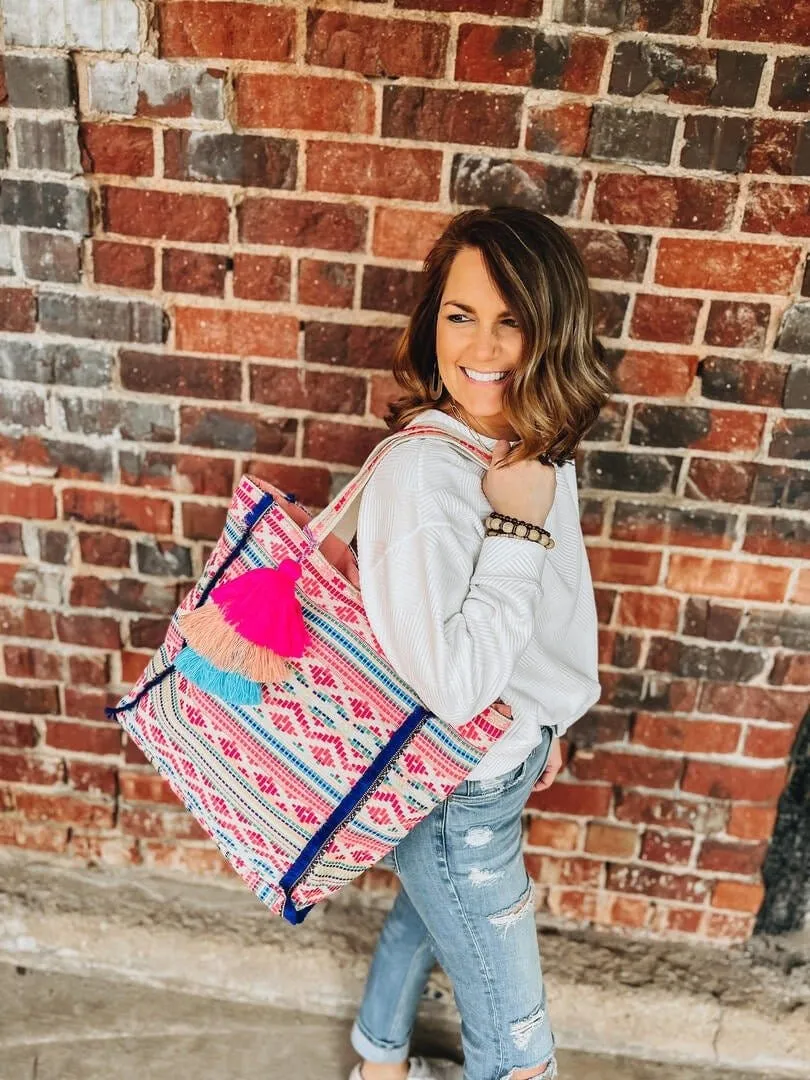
<point x="503" y="525"/>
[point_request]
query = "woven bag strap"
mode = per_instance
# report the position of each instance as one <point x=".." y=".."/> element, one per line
<point x="323" y="524"/>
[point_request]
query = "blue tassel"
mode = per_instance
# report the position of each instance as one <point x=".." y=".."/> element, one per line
<point x="228" y="685"/>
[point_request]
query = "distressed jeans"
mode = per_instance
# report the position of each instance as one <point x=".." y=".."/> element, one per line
<point x="467" y="901"/>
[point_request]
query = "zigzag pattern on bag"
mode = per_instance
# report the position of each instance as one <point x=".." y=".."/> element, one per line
<point x="306" y="790"/>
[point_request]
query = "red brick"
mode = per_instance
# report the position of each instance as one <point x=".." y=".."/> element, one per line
<point x="753" y="702"/>
<point x="316" y="391"/>
<point x="681" y="920"/>
<point x="559" y="129"/>
<point x="261" y="277"/>
<point x="657" y="883"/>
<point x="624" y="565"/>
<point x="572" y="904"/>
<point x="28" y="769"/>
<point x="586" y="800"/>
<point x="88" y="670"/>
<point x="737" y="324"/>
<point x="307" y="103"/>
<point x="791" y="669"/>
<point x="778" y="208"/>
<point x="379" y="48"/>
<point x="667" y="201"/>
<point x="751" y="822"/>
<point x="133" y="664"/>
<point x="663" y="732"/>
<point x="203" y="522"/>
<point x="401" y="233"/>
<point x="156" y="824"/>
<point x="769" y="742"/>
<point x="350" y="444"/>
<point x="560" y="870"/>
<point x="385" y="172"/>
<point x="659" y="847"/>
<point x="21" y="621"/>
<point x="664" y="318"/>
<point x="720" y="481"/>
<point x="187" y="473"/>
<point x="237" y="333"/>
<point x="626" y="769"/>
<point x="384" y="390"/>
<point x="720" y="781"/>
<point x="610" y="840"/>
<point x="726" y="266"/>
<point x="309" y="483"/>
<point x="18" y="311"/>
<point x="782" y="21"/>
<point x="652" y="374"/>
<point x="801" y="594"/>
<point x="27" y="662"/>
<point x="83" y="738"/>
<point x="626" y="911"/>
<point x="302" y="223"/>
<point x="728" y="927"/>
<point x="18" y="733"/>
<point x="696" y="815"/>
<point x="727" y="857"/>
<point x="698" y="575"/>
<point x="648" y="610"/>
<point x="553" y="833"/>
<point x="33" y="837"/>
<point x="27" y="500"/>
<point x="132" y="266"/>
<point x="145" y="787"/>
<point x="738" y="896"/>
<point x="35" y="806"/>
<point x="93" y="631"/>
<point x="229" y="30"/>
<point x="121" y="511"/>
<point x="166" y="214"/>
<point x="187" y="271"/>
<point x="91" y="777"/>
<point x="118" y="149"/>
<point x="325" y="284"/>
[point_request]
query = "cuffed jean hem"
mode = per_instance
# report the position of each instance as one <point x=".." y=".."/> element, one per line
<point x="371" y="1051"/>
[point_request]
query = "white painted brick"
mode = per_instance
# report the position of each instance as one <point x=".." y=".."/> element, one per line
<point x="6" y="253"/>
<point x="113" y="86"/>
<point x="88" y="24"/>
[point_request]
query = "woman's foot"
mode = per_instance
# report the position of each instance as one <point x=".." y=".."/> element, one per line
<point x="415" y="1068"/>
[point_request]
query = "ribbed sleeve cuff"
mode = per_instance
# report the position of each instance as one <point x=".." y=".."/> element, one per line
<point x="511" y="556"/>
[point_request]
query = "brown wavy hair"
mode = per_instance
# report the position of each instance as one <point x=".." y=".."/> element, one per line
<point x="561" y="382"/>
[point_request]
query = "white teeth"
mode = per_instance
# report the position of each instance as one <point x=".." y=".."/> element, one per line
<point x="479" y="376"/>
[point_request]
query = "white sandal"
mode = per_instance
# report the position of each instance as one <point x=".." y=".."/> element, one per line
<point x="420" y="1068"/>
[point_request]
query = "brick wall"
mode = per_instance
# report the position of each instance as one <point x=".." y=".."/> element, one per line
<point x="212" y="224"/>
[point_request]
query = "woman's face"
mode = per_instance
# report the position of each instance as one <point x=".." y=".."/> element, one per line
<point x="478" y="343"/>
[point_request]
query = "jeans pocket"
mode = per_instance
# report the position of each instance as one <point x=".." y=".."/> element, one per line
<point x="492" y="788"/>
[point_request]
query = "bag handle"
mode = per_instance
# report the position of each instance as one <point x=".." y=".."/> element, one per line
<point x="324" y="523"/>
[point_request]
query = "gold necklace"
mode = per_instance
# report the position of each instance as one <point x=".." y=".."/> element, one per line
<point x="474" y="433"/>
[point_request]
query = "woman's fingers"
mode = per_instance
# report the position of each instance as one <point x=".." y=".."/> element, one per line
<point x="553" y="766"/>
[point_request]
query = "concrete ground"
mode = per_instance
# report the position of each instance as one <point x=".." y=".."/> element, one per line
<point x="69" y="1027"/>
<point x="161" y="975"/>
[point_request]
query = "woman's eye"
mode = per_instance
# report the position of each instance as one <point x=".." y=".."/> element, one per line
<point x="511" y="323"/>
<point x="456" y="315"/>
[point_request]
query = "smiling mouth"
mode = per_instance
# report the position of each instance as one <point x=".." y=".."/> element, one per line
<point x="484" y="377"/>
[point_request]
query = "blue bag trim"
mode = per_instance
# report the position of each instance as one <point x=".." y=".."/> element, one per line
<point x="261" y="507"/>
<point x="345" y="808"/>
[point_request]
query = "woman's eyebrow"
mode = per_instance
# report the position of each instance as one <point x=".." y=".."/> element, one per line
<point x="466" y="307"/>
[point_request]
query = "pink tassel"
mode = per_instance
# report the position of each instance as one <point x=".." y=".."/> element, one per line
<point x="251" y="623"/>
<point x="261" y="605"/>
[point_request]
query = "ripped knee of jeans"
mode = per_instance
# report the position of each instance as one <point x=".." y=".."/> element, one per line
<point x="521" y="909"/>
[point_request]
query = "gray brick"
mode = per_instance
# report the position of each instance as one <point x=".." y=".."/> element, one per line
<point x="797" y="387"/>
<point x="139" y="421"/>
<point x="794" y="333"/>
<point x="3" y="145"/>
<point x="26" y="408"/>
<point x="716" y="142"/>
<point x="247" y="160"/>
<point x="52" y="145"/>
<point x="39" y="82"/>
<point x="623" y="134"/>
<point x="88" y="24"/>
<point x="45" y="206"/>
<point x="491" y="180"/>
<point x="62" y="364"/>
<point x="101" y="317"/>
<point x="164" y="559"/>
<point x="160" y="88"/>
<point x="50" y="256"/>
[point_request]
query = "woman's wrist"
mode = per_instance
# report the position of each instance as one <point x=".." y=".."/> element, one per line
<point x="497" y="524"/>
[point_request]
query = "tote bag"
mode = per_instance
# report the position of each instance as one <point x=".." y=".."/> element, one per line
<point x="305" y="780"/>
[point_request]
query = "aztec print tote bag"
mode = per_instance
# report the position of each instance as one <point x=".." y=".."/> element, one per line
<point x="273" y="713"/>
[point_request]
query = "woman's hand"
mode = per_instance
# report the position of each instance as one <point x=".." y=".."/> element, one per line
<point x="553" y="766"/>
<point x="523" y="490"/>
<point x="554" y="763"/>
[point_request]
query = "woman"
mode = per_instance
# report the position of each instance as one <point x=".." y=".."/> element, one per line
<point x="500" y="350"/>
